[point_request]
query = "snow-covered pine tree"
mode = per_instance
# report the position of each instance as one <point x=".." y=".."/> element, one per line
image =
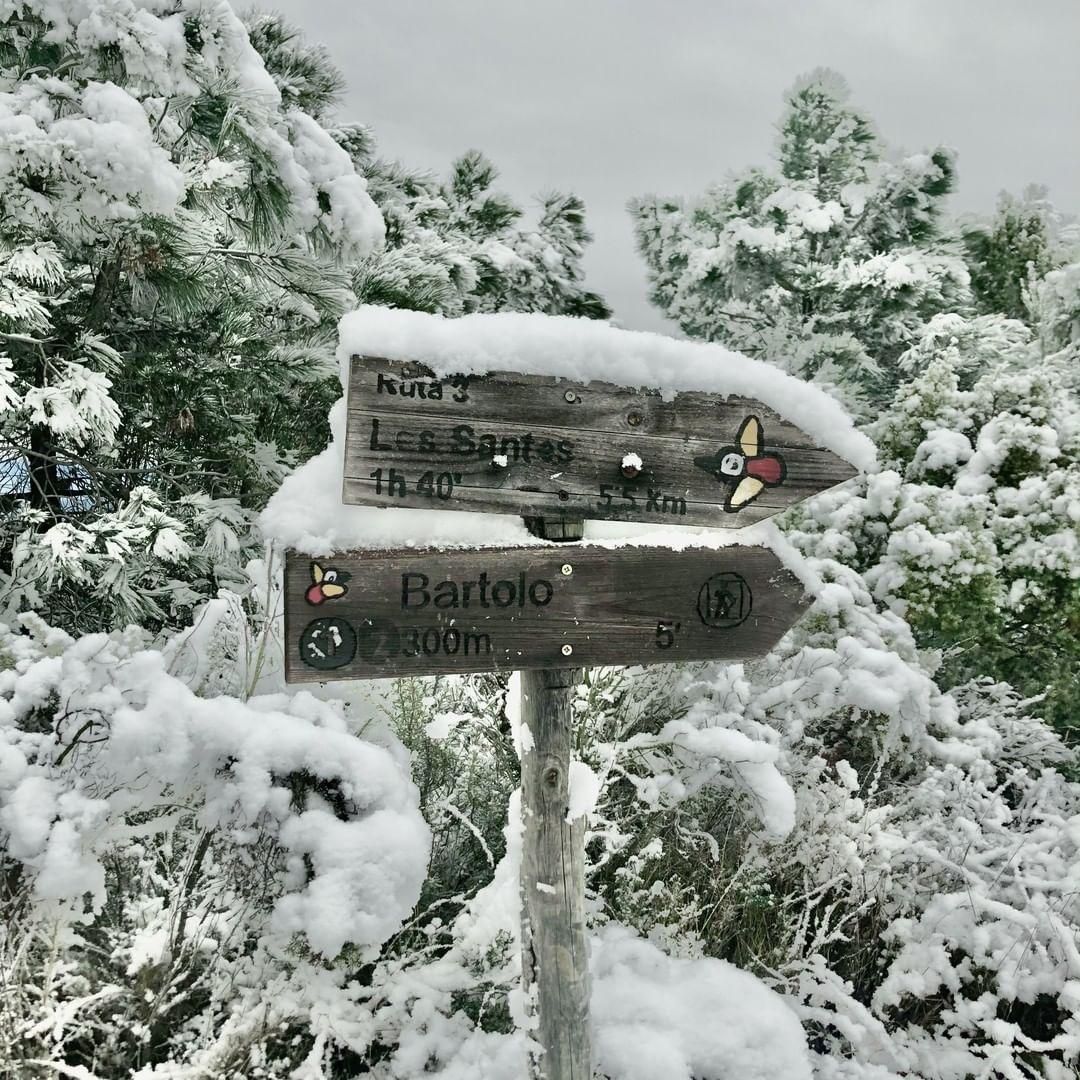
<point x="457" y="245"/>
<point x="1011" y="250"/>
<point x="170" y="248"/>
<point x="168" y="313"/>
<point x="827" y="266"/>
<point x="1055" y="303"/>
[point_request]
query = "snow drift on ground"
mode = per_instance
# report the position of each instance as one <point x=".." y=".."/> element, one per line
<point x="653" y="1016"/>
<point x="657" y="1017"/>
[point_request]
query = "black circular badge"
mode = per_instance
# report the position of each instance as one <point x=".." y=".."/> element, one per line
<point x="724" y="600"/>
<point x="327" y="644"/>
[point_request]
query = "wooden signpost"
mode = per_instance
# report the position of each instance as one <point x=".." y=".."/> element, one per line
<point x="555" y="453"/>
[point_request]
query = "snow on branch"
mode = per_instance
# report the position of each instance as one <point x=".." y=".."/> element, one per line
<point x="95" y="733"/>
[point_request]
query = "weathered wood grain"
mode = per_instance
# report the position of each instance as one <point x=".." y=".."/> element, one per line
<point x="627" y="605"/>
<point x="555" y="962"/>
<point x="598" y="406"/>
<point x="564" y="443"/>
<point x="670" y="487"/>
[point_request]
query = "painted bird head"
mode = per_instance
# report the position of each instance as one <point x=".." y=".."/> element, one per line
<point x="327" y="583"/>
<point x="730" y="462"/>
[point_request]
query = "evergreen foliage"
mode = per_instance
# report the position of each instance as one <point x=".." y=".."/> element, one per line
<point x="970" y="537"/>
<point x="457" y="246"/>
<point x="987" y="438"/>
<point x="829" y="266"/>
<point x="171" y="242"/>
<point x="179" y="236"/>
<point x="1008" y="253"/>
<point x="976" y="543"/>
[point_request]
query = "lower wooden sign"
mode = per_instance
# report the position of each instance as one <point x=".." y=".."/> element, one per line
<point x="375" y="614"/>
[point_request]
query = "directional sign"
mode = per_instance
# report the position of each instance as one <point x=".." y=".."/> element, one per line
<point x="539" y="446"/>
<point x="365" y="615"/>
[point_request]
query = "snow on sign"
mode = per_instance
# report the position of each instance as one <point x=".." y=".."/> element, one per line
<point x="538" y="445"/>
<point x="376" y="614"/>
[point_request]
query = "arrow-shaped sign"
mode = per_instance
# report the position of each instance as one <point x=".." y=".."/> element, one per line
<point x="365" y="615"/>
<point x="539" y="446"/>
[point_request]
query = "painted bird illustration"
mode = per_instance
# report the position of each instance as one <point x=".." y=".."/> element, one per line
<point x="745" y="465"/>
<point x="326" y="584"/>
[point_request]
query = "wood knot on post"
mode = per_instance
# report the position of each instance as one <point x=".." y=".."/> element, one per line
<point x="552" y="777"/>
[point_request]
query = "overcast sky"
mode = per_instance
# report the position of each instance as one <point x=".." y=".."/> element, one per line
<point x="616" y="98"/>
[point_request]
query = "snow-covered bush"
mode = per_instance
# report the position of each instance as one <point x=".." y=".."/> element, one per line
<point x="922" y="906"/>
<point x="972" y="529"/>
<point x="445" y="998"/>
<point x="161" y="848"/>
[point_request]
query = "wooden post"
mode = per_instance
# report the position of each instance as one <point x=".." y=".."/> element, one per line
<point x="555" y="962"/>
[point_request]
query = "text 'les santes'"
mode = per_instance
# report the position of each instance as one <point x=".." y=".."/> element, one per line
<point x="465" y="441"/>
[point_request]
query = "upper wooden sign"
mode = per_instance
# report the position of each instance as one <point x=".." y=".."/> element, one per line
<point x="540" y="446"/>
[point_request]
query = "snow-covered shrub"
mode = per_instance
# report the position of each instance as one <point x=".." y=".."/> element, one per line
<point x="922" y="909"/>
<point x="161" y="850"/>
<point x="445" y="998"/>
<point x="464" y="765"/>
<point x="972" y="529"/>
